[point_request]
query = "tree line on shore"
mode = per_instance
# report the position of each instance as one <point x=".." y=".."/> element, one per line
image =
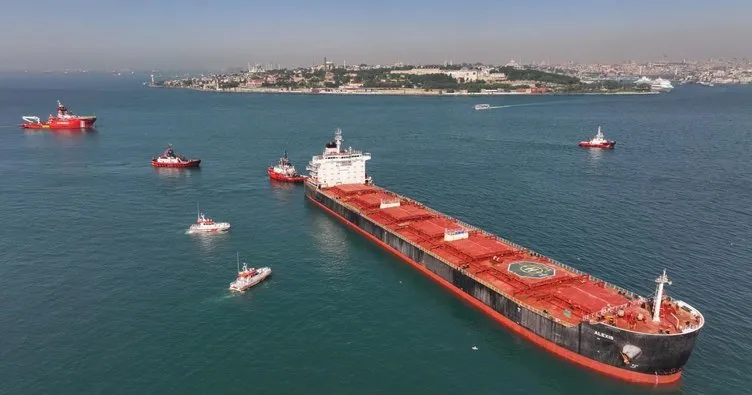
<point x="383" y="78"/>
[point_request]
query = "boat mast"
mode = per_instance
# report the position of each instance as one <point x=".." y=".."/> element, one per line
<point x="338" y="139"/>
<point x="237" y="257"/>
<point x="662" y="279"/>
<point x="198" y="212"/>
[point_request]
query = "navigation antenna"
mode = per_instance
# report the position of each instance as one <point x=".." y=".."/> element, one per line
<point x="662" y="279"/>
<point x="237" y="258"/>
<point x="338" y="138"/>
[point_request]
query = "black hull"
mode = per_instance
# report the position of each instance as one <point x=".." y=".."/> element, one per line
<point x="656" y="356"/>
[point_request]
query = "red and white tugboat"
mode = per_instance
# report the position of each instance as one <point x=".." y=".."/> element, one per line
<point x="207" y="225"/>
<point x="285" y="171"/>
<point x="63" y="120"/>
<point x="598" y="142"/>
<point x="248" y="277"/>
<point x="170" y="159"/>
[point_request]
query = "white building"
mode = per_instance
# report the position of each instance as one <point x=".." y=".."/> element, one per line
<point x="464" y="75"/>
<point x="418" y="71"/>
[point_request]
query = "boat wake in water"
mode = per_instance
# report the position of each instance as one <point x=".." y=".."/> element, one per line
<point x="489" y="107"/>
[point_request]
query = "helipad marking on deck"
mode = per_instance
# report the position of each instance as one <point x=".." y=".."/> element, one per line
<point x="531" y="269"/>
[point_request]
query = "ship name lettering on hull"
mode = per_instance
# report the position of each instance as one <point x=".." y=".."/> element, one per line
<point x="603" y="335"/>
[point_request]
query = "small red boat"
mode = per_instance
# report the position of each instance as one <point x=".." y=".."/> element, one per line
<point x="284" y="171"/>
<point x="170" y="159"/>
<point x="63" y="120"/>
<point x="598" y="142"/>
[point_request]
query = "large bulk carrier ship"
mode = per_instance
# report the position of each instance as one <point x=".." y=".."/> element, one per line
<point x="583" y="319"/>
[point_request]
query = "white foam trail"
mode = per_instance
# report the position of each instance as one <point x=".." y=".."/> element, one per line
<point x="526" y="104"/>
<point x="220" y="298"/>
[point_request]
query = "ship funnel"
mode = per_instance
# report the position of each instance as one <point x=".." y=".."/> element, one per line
<point x="661" y="280"/>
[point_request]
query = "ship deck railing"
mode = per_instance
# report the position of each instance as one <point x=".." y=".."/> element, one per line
<point x="505" y="241"/>
<point x="342" y="155"/>
<point x="475" y="278"/>
<point x="571" y="269"/>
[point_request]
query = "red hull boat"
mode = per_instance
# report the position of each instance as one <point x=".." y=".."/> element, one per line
<point x="185" y="164"/>
<point x="170" y="159"/>
<point x="284" y="171"/>
<point x="63" y="120"/>
<point x="598" y="142"/>
<point x="607" y="145"/>
<point x="280" y="177"/>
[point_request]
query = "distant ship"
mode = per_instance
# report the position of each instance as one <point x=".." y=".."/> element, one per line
<point x="207" y="225"/>
<point x="171" y="159"/>
<point x="248" y="277"/>
<point x="598" y="141"/>
<point x="64" y="119"/>
<point x="661" y="85"/>
<point x="482" y="106"/>
<point x="284" y="171"/>
<point x="586" y="320"/>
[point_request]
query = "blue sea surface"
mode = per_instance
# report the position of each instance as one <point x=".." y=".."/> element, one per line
<point x="101" y="290"/>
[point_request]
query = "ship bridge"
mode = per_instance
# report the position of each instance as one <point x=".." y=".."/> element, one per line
<point x="337" y="166"/>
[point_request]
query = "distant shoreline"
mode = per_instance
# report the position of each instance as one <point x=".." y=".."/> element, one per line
<point x="395" y="92"/>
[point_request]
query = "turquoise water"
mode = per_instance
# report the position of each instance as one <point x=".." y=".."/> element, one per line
<point x="103" y="292"/>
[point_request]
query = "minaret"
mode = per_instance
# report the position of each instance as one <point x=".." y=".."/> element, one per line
<point x="662" y="279"/>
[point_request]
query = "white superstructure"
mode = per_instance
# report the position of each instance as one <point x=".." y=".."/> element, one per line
<point x="661" y="85"/>
<point x="599" y="138"/>
<point x="656" y="85"/>
<point x="207" y="225"/>
<point x="249" y="277"/>
<point x="336" y="166"/>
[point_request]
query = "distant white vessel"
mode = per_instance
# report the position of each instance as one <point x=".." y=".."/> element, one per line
<point x="482" y="106"/>
<point x="248" y="277"/>
<point x="706" y="83"/>
<point x="207" y="225"/>
<point x="661" y="85"/>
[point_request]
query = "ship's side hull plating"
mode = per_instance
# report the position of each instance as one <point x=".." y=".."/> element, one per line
<point x="630" y="356"/>
<point x="75" y="123"/>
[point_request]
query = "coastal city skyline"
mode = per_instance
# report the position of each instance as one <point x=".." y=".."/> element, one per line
<point x="190" y="35"/>
<point x="463" y="79"/>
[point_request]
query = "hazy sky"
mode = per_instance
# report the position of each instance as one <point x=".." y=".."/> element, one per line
<point x="192" y="34"/>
